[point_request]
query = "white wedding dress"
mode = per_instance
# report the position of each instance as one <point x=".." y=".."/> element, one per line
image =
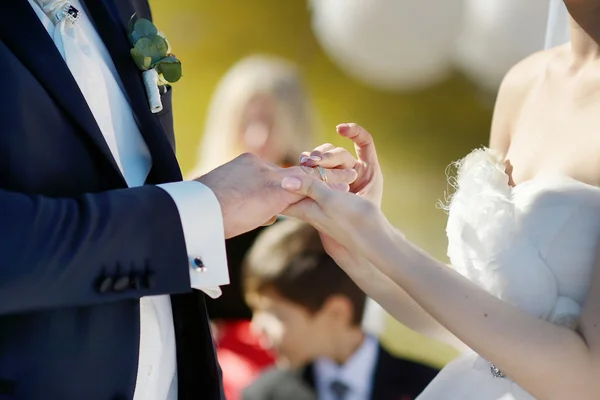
<point x="533" y="246"/>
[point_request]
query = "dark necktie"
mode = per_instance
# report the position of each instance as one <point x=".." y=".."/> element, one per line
<point x="339" y="390"/>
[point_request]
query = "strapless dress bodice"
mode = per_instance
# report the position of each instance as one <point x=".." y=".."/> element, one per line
<point x="533" y="246"/>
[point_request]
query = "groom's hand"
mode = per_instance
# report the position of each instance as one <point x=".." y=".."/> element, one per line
<point x="250" y="193"/>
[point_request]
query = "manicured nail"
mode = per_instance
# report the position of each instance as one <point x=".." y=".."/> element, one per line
<point x="303" y="160"/>
<point x="341" y="128"/>
<point x="314" y="158"/>
<point x="289" y="183"/>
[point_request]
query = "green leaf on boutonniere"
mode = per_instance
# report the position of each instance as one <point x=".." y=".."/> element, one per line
<point x="170" y="68"/>
<point x="154" y="47"/>
<point x="162" y="35"/>
<point x="140" y="60"/>
<point x="151" y="50"/>
<point x="140" y="28"/>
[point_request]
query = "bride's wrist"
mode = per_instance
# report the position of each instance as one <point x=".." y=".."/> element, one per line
<point x="354" y="264"/>
<point x="395" y="252"/>
<point x="384" y="243"/>
<point x="361" y="270"/>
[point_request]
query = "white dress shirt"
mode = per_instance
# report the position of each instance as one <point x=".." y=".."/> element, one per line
<point x="198" y="208"/>
<point x="357" y="373"/>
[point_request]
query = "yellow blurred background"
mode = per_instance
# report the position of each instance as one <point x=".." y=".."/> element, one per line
<point x="418" y="134"/>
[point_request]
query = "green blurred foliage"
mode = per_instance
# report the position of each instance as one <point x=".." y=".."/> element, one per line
<point x="417" y="134"/>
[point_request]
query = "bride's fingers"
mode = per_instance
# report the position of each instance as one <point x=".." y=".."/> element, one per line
<point x="315" y="155"/>
<point x="363" y="141"/>
<point x="304" y="157"/>
<point x="335" y="158"/>
<point x="322" y="149"/>
<point x="333" y="175"/>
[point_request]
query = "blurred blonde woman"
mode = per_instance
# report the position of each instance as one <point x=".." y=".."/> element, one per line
<point x="259" y="106"/>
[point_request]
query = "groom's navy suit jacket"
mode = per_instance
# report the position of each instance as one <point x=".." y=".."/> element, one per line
<point x="78" y="249"/>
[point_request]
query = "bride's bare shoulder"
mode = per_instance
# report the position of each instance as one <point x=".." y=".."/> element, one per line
<point x="513" y="91"/>
<point x="524" y="74"/>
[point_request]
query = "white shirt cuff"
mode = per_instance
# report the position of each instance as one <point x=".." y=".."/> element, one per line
<point x="202" y="222"/>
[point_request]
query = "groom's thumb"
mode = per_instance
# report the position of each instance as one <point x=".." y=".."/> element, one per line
<point x="311" y="187"/>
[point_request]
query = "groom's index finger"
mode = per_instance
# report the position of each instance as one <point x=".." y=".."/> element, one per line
<point x="363" y="141"/>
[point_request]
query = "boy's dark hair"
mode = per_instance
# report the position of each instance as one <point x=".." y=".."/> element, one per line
<point x="289" y="258"/>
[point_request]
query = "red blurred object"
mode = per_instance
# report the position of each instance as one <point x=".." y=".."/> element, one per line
<point x="240" y="355"/>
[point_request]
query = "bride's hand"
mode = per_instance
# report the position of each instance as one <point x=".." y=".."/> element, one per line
<point x="369" y="181"/>
<point x="354" y="222"/>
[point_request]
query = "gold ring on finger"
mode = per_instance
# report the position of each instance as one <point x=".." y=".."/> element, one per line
<point x="322" y="173"/>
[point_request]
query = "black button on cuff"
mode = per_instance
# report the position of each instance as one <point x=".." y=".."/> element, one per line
<point x="121" y="284"/>
<point x="105" y="285"/>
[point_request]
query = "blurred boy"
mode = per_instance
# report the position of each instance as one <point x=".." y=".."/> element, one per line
<point x="310" y="311"/>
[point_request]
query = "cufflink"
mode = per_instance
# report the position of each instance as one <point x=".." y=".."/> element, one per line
<point x="198" y="265"/>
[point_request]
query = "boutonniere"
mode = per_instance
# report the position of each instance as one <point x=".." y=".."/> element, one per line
<point x="152" y="54"/>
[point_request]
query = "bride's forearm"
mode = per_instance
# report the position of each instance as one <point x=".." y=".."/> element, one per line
<point x="396" y="301"/>
<point x="549" y="361"/>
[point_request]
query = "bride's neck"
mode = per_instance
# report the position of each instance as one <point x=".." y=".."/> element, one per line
<point x="584" y="29"/>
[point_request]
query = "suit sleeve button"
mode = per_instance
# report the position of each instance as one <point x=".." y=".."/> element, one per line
<point x="121" y="284"/>
<point x="105" y="285"/>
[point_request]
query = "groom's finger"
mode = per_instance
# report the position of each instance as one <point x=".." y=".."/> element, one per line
<point x="309" y="187"/>
<point x="270" y="221"/>
<point x="363" y="141"/>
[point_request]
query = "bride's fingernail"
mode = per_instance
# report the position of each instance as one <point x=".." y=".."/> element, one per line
<point x="314" y="158"/>
<point x="291" y="183"/>
<point x="341" y="128"/>
<point x="303" y="160"/>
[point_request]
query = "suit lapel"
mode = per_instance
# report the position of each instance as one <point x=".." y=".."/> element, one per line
<point x="392" y="379"/>
<point x="111" y="28"/>
<point x="308" y="376"/>
<point x="24" y="34"/>
<point x="380" y="387"/>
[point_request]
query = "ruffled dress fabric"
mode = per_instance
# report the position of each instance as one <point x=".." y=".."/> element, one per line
<point x="533" y="246"/>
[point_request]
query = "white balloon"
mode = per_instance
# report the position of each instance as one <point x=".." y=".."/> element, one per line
<point x="389" y="44"/>
<point x="498" y="34"/>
